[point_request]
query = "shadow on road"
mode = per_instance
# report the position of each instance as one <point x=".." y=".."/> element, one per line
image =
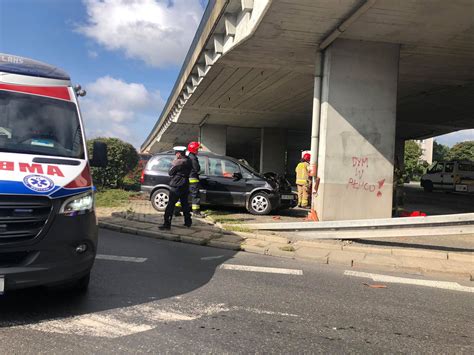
<point x="171" y="269"/>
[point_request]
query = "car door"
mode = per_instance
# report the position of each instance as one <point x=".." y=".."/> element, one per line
<point x="225" y="184"/>
<point x="448" y="176"/>
<point x="436" y="175"/>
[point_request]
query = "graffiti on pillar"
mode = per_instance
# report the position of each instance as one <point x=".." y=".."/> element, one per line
<point x="357" y="181"/>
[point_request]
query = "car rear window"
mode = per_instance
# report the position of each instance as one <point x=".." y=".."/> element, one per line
<point x="160" y="164"/>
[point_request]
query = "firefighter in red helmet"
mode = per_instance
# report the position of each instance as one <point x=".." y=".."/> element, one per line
<point x="303" y="181"/>
<point x="193" y="150"/>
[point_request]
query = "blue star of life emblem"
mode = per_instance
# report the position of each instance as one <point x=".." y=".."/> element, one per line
<point x="38" y="183"/>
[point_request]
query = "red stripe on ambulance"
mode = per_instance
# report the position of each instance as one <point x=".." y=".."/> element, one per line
<point x="58" y="92"/>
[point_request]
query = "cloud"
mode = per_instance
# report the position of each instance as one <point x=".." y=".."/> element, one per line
<point x="92" y="54"/>
<point x="115" y="108"/>
<point x="451" y="139"/>
<point x="158" y="32"/>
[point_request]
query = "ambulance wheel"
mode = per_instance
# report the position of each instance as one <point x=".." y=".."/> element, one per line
<point x="160" y="199"/>
<point x="259" y="204"/>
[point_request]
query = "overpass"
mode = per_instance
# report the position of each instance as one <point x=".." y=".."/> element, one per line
<point x="352" y="79"/>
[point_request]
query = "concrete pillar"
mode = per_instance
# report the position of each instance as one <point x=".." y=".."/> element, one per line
<point x="273" y="150"/>
<point x="357" y="132"/>
<point x="214" y="138"/>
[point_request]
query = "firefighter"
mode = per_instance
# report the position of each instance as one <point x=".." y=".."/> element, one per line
<point x="193" y="149"/>
<point x="303" y="181"/>
<point x="179" y="188"/>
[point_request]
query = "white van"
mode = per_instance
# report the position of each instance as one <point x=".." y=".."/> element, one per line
<point x="449" y="175"/>
<point x="48" y="227"/>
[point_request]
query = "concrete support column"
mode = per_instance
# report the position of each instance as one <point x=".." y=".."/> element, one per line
<point x="273" y="150"/>
<point x="357" y="131"/>
<point x="214" y="138"/>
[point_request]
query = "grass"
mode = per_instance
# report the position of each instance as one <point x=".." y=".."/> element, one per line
<point x="234" y="228"/>
<point x="113" y="197"/>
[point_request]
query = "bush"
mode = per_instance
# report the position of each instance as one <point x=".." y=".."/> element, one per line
<point x="122" y="159"/>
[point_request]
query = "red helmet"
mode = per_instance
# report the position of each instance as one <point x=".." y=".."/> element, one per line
<point x="193" y="147"/>
<point x="307" y="157"/>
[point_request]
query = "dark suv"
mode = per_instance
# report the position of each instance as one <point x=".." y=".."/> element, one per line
<point x="224" y="181"/>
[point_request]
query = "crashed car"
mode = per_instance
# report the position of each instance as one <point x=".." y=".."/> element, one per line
<point x="224" y="181"/>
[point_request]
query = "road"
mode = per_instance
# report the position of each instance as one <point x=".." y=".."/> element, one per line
<point x="182" y="298"/>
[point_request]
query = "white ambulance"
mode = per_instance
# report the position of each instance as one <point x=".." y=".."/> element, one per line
<point x="48" y="228"/>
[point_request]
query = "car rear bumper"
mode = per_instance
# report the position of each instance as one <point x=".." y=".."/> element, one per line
<point x="281" y="201"/>
<point x="146" y="191"/>
<point x="51" y="258"/>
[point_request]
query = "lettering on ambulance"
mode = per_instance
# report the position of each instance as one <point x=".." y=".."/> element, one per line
<point x="52" y="170"/>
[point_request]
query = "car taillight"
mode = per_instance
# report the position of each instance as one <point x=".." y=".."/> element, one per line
<point x="142" y="177"/>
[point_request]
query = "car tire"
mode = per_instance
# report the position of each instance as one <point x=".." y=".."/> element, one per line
<point x="160" y="199"/>
<point x="428" y="186"/>
<point x="259" y="204"/>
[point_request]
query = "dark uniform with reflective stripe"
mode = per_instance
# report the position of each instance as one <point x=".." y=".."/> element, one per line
<point x="179" y="189"/>
<point x="194" y="182"/>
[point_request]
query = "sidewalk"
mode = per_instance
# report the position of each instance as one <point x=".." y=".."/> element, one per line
<point x="416" y="256"/>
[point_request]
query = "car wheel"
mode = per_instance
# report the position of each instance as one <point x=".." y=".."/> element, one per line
<point x="160" y="199"/>
<point x="428" y="186"/>
<point x="260" y="204"/>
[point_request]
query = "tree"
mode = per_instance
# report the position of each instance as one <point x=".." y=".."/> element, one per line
<point x="122" y="158"/>
<point x="462" y="151"/>
<point x="414" y="166"/>
<point x="440" y="151"/>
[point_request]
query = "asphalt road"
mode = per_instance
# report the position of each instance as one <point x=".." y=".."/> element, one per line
<point x="176" y="301"/>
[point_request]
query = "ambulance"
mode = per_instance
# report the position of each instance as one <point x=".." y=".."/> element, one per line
<point x="48" y="227"/>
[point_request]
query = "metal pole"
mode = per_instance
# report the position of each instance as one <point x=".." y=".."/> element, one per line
<point x="316" y="119"/>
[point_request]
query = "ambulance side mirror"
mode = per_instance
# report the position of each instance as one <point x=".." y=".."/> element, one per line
<point x="99" y="155"/>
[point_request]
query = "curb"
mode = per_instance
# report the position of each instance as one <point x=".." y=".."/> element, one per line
<point x="413" y="261"/>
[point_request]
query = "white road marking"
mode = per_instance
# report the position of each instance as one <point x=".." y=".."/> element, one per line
<point x="271" y="270"/>
<point x="130" y="259"/>
<point x="446" y="285"/>
<point x="212" y="257"/>
<point x="119" y="322"/>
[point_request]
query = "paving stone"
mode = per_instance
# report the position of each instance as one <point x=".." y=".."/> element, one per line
<point x="463" y="257"/>
<point x="314" y="254"/>
<point x="367" y="249"/>
<point x="420" y="253"/>
<point x="318" y="245"/>
<point x="217" y="243"/>
<point x="194" y="239"/>
<point x="347" y="258"/>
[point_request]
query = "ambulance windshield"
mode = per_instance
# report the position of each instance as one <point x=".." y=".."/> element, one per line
<point x="31" y="124"/>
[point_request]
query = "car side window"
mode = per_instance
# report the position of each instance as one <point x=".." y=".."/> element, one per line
<point x="449" y="168"/>
<point x="438" y="168"/>
<point x="161" y="164"/>
<point x="246" y="174"/>
<point x="222" y="168"/>
<point x="202" y="164"/>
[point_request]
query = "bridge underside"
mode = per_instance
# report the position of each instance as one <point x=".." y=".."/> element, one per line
<point x="421" y="59"/>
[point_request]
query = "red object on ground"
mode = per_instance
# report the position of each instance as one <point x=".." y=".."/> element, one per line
<point x="412" y="214"/>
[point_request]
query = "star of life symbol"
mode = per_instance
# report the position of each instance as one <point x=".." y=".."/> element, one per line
<point x="38" y="183"/>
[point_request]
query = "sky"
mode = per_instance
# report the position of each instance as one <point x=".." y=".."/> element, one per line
<point x="125" y="53"/>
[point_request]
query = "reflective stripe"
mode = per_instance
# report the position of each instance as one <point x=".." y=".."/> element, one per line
<point x="178" y="204"/>
<point x="302" y="173"/>
<point x="196" y="207"/>
<point x="193" y="181"/>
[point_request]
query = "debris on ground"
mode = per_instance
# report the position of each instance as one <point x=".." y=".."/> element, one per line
<point x="375" y="285"/>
